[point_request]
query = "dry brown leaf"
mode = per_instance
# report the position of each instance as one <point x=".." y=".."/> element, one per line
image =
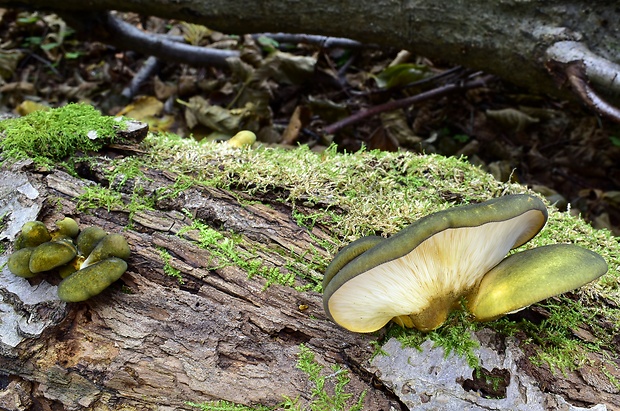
<point x="163" y="90"/>
<point x="286" y="68"/>
<point x="142" y="108"/>
<point x="511" y="118"/>
<point x="380" y="140"/>
<point x="299" y="119"/>
<point x="199" y="110"/>
<point x="396" y="126"/>
<point x="8" y="62"/>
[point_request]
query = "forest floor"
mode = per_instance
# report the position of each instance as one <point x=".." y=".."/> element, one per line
<point x="289" y="93"/>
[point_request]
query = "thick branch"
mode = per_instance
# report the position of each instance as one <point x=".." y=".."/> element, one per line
<point x="508" y="39"/>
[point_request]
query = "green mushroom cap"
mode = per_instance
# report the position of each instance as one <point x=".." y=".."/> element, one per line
<point x="348" y="253"/>
<point x="50" y="255"/>
<point x="530" y="276"/>
<point x="112" y="245"/>
<point x="33" y="234"/>
<point x="88" y="263"/>
<point x="19" y="261"/>
<point x="416" y="276"/>
<point x="88" y="239"/>
<point x="67" y="227"/>
<point x="92" y="280"/>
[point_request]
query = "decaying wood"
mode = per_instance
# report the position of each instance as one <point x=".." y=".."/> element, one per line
<point x="150" y="342"/>
<point x="155" y="344"/>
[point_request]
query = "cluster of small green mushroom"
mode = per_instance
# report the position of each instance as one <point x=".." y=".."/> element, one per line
<point x="88" y="261"/>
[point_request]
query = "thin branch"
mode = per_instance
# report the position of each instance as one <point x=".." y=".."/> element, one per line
<point x="148" y="69"/>
<point x="322" y="41"/>
<point x="447" y="75"/>
<point x="405" y="102"/>
<point x="124" y="35"/>
<point x="111" y="30"/>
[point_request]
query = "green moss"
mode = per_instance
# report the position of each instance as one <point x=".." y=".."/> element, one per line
<point x="227" y="406"/>
<point x="125" y="169"/>
<point x="226" y="251"/>
<point x="181" y="184"/>
<point x="97" y="196"/>
<point x="321" y="398"/>
<point x="351" y="194"/>
<point x="111" y="199"/>
<point x="168" y="269"/>
<point x="305" y="268"/>
<point x="51" y="136"/>
<point x="454" y="337"/>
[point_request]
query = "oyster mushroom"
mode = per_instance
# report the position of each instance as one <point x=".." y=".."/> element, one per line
<point x="92" y="280"/>
<point x="416" y="276"/>
<point x="50" y="255"/>
<point x="112" y="245"/>
<point x="18" y="263"/>
<point x="530" y="276"/>
<point x="33" y="233"/>
<point x="244" y="138"/>
<point x="88" y="239"/>
<point x="67" y="227"/>
<point x="88" y="262"/>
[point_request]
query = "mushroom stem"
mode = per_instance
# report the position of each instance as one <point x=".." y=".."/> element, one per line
<point x="435" y="314"/>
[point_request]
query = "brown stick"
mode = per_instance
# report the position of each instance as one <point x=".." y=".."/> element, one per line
<point x="578" y="79"/>
<point x="405" y="102"/>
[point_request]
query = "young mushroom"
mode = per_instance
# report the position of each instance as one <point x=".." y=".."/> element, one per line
<point x="50" y="255"/>
<point x="92" y="280"/>
<point x="33" y="234"/>
<point x="112" y="245"/>
<point x="530" y="276"/>
<point x="418" y="275"/>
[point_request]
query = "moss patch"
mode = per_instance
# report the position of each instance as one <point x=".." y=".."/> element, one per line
<point x="51" y="136"/>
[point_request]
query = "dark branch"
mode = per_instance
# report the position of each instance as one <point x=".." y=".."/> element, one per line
<point x="106" y="28"/>
<point x="405" y="102"/>
<point x="576" y="75"/>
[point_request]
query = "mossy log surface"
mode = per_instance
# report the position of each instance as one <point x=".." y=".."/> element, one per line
<point x="151" y="342"/>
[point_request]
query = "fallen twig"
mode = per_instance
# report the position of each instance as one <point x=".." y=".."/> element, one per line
<point x="150" y="66"/>
<point x="322" y="41"/>
<point x="405" y="102"/>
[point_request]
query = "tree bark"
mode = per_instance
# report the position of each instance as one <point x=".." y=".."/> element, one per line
<point x="150" y="342"/>
<point x="512" y="39"/>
